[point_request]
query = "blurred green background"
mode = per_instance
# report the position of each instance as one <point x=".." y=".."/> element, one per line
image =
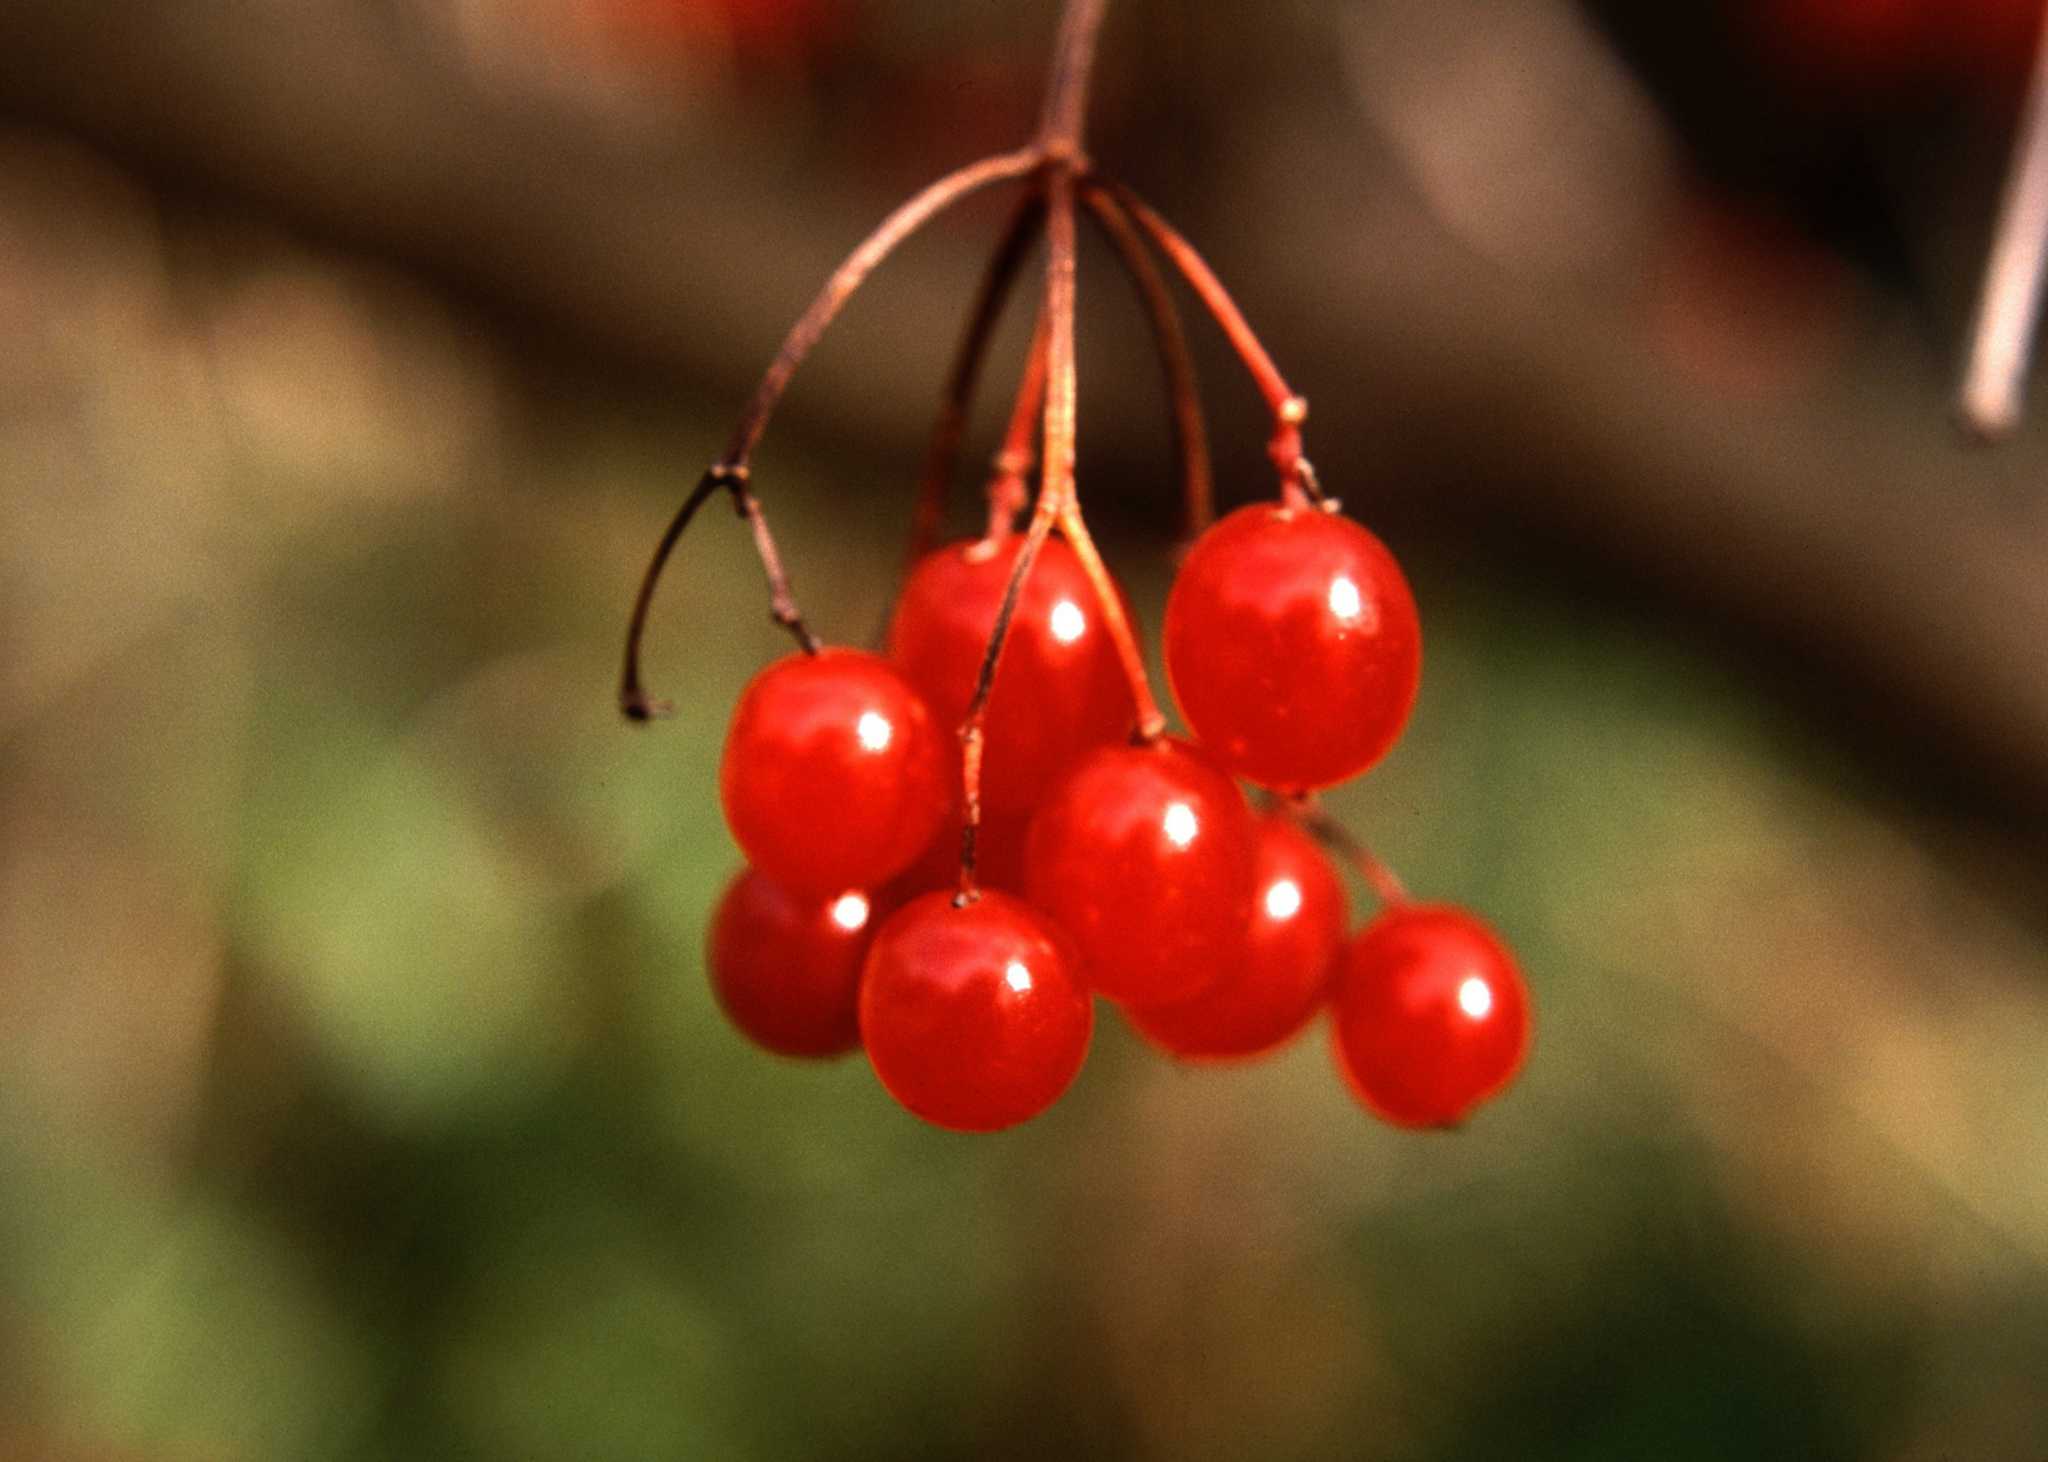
<point x="360" y="1093"/>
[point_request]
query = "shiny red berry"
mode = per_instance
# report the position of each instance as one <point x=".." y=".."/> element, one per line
<point x="1144" y="855"/>
<point x="1432" y="1017"/>
<point x="1283" y="971"/>
<point x="1292" y="646"/>
<point x="785" y="967"/>
<point x="834" y="776"/>
<point x="972" y="1016"/>
<point x="1060" y="687"/>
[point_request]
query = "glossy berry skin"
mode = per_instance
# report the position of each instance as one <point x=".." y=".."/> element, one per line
<point x="1292" y="646"/>
<point x="1431" y="1015"/>
<point x="1059" y="689"/>
<point x="1284" y="969"/>
<point x="834" y="776"/>
<point x="1144" y="855"/>
<point x="972" y="1017"/>
<point x="785" y="967"/>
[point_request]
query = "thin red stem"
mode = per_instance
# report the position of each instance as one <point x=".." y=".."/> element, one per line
<point x="849" y="276"/>
<point x="1289" y="409"/>
<point x="1151" y="723"/>
<point x="1190" y="431"/>
<point x="1050" y="371"/>
<point x="1073" y="64"/>
<point x="971" y="724"/>
<point x="1381" y="879"/>
<point x="1057" y="479"/>
<point x="1055" y="484"/>
<point x="634" y="701"/>
<point x="730" y="471"/>
<point x="965" y="376"/>
<point x="1013" y="461"/>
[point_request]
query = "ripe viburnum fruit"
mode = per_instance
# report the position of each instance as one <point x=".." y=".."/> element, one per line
<point x="1145" y="856"/>
<point x="786" y="966"/>
<point x="1280" y="975"/>
<point x="972" y="1014"/>
<point x="1432" y="1017"/>
<point x="1293" y="646"/>
<point x="834" y="776"/>
<point x="1059" y="690"/>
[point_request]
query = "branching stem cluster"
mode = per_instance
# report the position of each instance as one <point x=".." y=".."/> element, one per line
<point x="1057" y="184"/>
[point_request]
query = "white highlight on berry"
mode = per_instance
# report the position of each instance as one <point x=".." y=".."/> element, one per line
<point x="874" y="730"/>
<point x="1180" y="824"/>
<point x="1475" y="998"/>
<point x="1345" y="601"/>
<point x="1016" y="976"/>
<point x="1068" y="622"/>
<point x="850" y="911"/>
<point x="1283" y="899"/>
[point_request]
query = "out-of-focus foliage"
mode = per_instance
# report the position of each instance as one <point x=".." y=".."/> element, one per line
<point x="360" y="1094"/>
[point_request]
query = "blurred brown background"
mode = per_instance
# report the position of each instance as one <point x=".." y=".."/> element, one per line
<point x="360" y="1095"/>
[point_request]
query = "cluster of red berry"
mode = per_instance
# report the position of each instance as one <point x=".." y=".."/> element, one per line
<point x="1131" y="868"/>
<point x="954" y="911"/>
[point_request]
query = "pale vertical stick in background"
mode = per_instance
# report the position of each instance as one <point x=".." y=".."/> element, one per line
<point x="1994" y="379"/>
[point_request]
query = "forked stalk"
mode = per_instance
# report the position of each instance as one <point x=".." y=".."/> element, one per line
<point x="1332" y="834"/>
<point x="730" y="471"/>
<point x="634" y="702"/>
<point x="1177" y="362"/>
<point x="972" y="723"/>
<point x="962" y="380"/>
<point x="1151" y="723"/>
<point x="1297" y="478"/>
<point x="1010" y="469"/>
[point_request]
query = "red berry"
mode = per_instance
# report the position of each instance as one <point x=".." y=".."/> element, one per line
<point x="1292" y="645"/>
<point x="785" y="966"/>
<point x="1432" y="1017"/>
<point x="834" y="776"/>
<point x="1059" y="688"/>
<point x="1284" y="968"/>
<point x="972" y="1016"/>
<point x="1143" y="854"/>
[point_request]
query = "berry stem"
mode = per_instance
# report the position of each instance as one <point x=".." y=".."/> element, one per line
<point x="1066" y="93"/>
<point x="731" y="470"/>
<point x="1049" y="372"/>
<point x="961" y="382"/>
<point x="1056" y="493"/>
<point x="1055" y="152"/>
<point x="2002" y="336"/>
<point x="1056" y="479"/>
<point x="781" y="602"/>
<point x="1332" y="834"/>
<point x="908" y="218"/>
<point x="1014" y="458"/>
<point x="1190" y="431"/>
<point x="634" y="702"/>
<point x="1151" y="723"/>
<point x="971" y="724"/>
<point x="1297" y="478"/>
